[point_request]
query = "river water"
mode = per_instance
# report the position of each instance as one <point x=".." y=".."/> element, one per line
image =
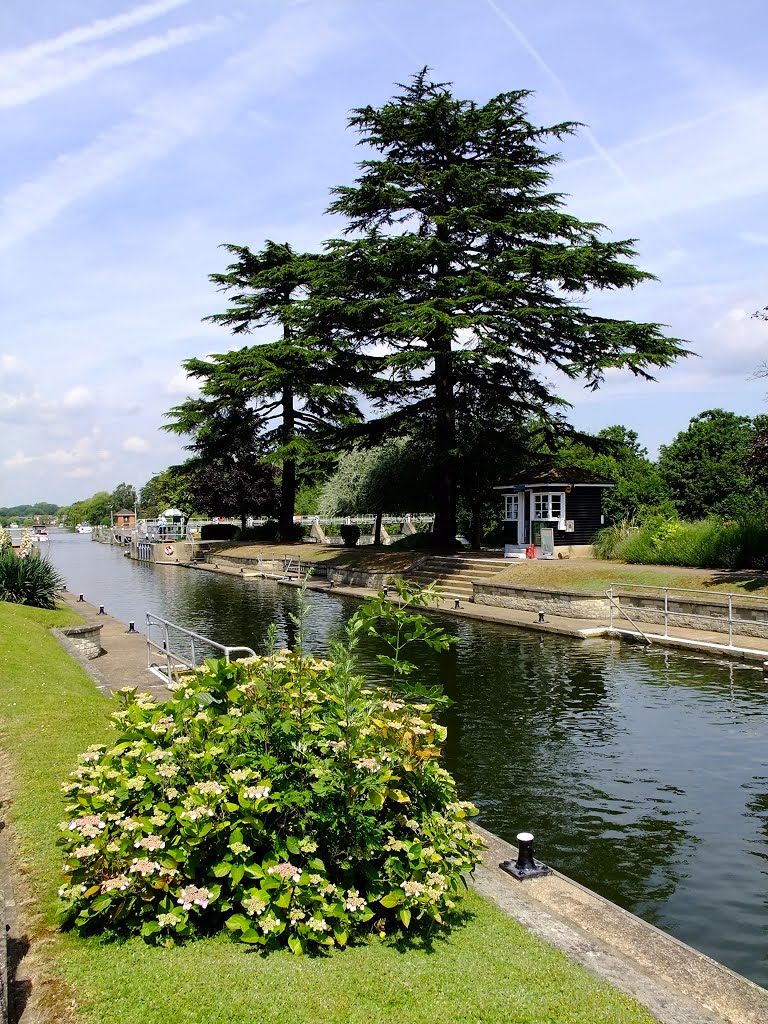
<point x="643" y="774"/>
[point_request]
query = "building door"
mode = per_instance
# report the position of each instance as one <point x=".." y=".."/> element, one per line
<point x="512" y="519"/>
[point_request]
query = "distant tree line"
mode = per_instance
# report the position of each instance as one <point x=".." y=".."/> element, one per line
<point x="21" y="513"/>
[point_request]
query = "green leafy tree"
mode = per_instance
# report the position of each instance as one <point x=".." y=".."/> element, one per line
<point x="705" y="466"/>
<point x="94" y="510"/>
<point x="123" y="496"/>
<point x="299" y="384"/>
<point x="232" y="487"/>
<point x="616" y="453"/>
<point x="389" y="478"/>
<point x="465" y="274"/>
<point x="167" y="489"/>
<point x="13" y="514"/>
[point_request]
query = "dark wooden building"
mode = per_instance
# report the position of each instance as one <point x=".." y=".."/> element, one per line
<point x="566" y="501"/>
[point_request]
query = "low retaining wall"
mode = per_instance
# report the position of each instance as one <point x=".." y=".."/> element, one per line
<point x="359" y="578"/>
<point x="573" y="603"/>
<point x="337" y="575"/>
<point x="85" y="639"/>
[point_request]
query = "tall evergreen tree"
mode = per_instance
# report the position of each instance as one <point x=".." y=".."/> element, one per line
<point x="299" y="385"/>
<point x="464" y="273"/>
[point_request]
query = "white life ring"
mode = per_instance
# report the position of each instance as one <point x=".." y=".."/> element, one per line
<point x="169" y="549"/>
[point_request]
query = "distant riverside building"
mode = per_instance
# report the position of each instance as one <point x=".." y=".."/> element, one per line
<point x="124" y="519"/>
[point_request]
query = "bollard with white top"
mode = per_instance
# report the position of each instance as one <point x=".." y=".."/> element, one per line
<point x="526" y="866"/>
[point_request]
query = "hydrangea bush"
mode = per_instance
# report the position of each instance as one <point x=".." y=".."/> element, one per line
<point x="282" y="798"/>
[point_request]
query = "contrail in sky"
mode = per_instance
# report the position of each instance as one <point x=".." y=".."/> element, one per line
<point x="99" y="29"/>
<point x="531" y="50"/>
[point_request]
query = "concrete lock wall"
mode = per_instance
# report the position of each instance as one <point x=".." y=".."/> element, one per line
<point x="170" y="552"/>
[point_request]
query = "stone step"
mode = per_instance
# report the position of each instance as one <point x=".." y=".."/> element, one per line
<point x="450" y="586"/>
<point x="461" y="560"/>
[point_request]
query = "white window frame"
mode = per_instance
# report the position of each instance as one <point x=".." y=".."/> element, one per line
<point x="512" y="500"/>
<point x="547" y="514"/>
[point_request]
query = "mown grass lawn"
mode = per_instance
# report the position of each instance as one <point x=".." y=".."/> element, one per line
<point x="585" y="574"/>
<point x="489" y="970"/>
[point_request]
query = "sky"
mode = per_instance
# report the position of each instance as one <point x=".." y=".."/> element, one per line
<point x="136" y="139"/>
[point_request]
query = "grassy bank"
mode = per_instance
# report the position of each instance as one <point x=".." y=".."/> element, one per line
<point x="490" y="970"/>
<point x="586" y="574"/>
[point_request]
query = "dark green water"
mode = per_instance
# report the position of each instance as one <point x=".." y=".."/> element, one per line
<point x="644" y="775"/>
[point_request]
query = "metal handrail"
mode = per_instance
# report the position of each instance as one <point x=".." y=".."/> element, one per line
<point x="176" y="661"/>
<point x="730" y="619"/>
<point x="615" y="604"/>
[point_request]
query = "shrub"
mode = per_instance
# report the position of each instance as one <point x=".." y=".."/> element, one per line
<point x="609" y="542"/>
<point x="263" y="532"/>
<point x="218" y="531"/>
<point x="706" y="544"/>
<point x="350" y="534"/>
<point x="281" y="798"/>
<point x="28" y="580"/>
<point x="5" y="540"/>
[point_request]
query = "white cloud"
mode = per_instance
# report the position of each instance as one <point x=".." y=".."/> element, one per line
<point x="85" y="457"/>
<point x="181" y="383"/>
<point x="688" y="167"/>
<point x="76" y="398"/>
<point x="135" y="444"/>
<point x="55" y="74"/>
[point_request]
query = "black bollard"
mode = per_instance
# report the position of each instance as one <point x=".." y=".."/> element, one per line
<point x="385" y="591"/>
<point x="526" y="866"/>
<point x="456" y="603"/>
<point x="541" y="616"/>
<point x="132" y="627"/>
<point x="101" y="610"/>
<point x="81" y="598"/>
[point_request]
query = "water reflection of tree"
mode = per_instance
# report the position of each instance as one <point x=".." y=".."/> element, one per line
<point x="535" y="726"/>
<point x="757" y="807"/>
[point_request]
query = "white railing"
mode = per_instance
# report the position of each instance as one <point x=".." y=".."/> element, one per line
<point x="182" y="650"/>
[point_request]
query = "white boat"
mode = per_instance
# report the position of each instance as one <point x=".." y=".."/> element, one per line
<point x="84" y="528"/>
<point x="40" y="535"/>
